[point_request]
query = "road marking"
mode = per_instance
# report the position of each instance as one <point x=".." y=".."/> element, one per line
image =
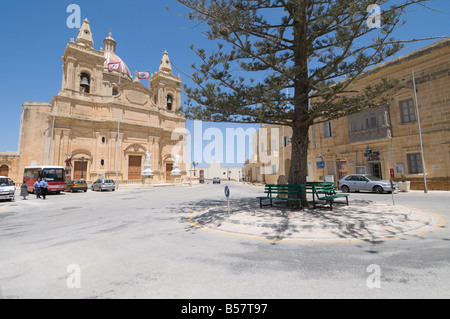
<point x="440" y="224"/>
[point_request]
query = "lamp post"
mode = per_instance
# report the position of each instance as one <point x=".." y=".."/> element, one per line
<point x="414" y="88"/>
<point x="194" y="164"/>
<point x="82" y="166"/>
<point x="425" y="188"/>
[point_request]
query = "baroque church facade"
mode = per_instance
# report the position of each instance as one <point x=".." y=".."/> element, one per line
<point x="104" y="120"/>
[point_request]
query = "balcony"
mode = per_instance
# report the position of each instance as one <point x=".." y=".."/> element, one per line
<point x="370" y="134"/>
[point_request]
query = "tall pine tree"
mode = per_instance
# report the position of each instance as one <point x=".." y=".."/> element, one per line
<point x="314" y="48"/>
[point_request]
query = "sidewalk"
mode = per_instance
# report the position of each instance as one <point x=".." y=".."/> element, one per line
<point x="362" y="220"/>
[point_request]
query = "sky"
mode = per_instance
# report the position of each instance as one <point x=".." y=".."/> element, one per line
<point x="34" y="35"/>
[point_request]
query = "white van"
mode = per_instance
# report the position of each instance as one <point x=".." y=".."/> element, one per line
<point x="7" y="188"/>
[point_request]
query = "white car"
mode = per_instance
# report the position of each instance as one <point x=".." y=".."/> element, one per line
<point x="104" y="184"/>
<point x="365" y="182"/>
<point x="7" y="188"/>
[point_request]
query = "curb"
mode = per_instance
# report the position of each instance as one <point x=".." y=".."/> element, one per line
<point x="290" y="226"/>
<point x="408" y="223"/>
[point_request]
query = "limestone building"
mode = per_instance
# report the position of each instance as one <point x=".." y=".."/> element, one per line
<point x="104" y="119"/>
<point x="391" y="131"/>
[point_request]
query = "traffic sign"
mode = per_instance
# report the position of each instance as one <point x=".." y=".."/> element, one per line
<point x="320" y="165"/>
<point x="227" y="191"/>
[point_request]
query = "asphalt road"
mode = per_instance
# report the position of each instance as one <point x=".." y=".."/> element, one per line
<point x="140" y="244"/>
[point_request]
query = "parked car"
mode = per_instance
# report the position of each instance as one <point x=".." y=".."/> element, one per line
<point x="216" y="180"/>
<point x="365" y="182"/>
<point x="73" y="186"/>
<point x="7" y="188"/>
<point x="104" y="184"/>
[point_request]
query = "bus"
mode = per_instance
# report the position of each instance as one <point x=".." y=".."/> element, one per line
<point x="53" y="174"/>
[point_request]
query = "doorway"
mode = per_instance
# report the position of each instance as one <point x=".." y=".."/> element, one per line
<point x="80" y="170"/>
<point x="4" y="170"/>
<point x="375" y="170"/>
<point x="134" y="167"/>
<point x="341" y="168"/>
<point x="169" y="168"/>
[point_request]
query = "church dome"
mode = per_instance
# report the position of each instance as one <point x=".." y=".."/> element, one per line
<point x="112" y="57"/>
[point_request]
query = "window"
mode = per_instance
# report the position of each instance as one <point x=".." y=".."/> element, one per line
<point x="407" y="112"/>
<point x="328" y="129"/>
<point x="330" y="168"/>
<point x="274" y="169"/>
<point x="360" y="170"/>
<point x="115" y="91"/>
<point x="53" y="174"/>
<point x="102" y="162"/>
<point x="286" y="141"/>
<point x="6" y="182"/>
<point x="103" y="140"/>
<point x="414" y="163"/>
<point x="399" y="169"/>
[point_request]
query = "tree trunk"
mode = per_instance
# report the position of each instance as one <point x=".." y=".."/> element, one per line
<point x="299" y="157"/>
<point x="300" y="130"/>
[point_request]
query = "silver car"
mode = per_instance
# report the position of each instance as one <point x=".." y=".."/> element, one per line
<point x="104" y="184"/>
<point x="365" y="182"/>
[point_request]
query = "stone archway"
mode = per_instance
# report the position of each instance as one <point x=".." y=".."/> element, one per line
<point x="168" y="167"/>
<point x="134" y="155"/>
<point x="81" y="161"/>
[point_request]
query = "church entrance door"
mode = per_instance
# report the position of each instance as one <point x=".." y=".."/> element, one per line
<point x="80" y="170"/>
<point x="134" y="167"/>
<point x="169" y="168"/>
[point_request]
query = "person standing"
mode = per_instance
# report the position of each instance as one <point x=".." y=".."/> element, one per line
<point x="24" y="190"/>
<point x="44" y="187"/>
<point x="37" y="188"/>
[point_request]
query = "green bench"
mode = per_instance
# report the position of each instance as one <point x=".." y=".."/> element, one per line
<point x="325" y="191"/>
<point x="287" y="193"/>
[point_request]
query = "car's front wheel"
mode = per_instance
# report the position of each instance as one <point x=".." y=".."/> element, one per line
<point x="345" y="189"/>
<point x="378" y="189"/>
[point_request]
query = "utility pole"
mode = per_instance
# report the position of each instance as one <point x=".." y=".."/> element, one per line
<point x="420" y="135"/>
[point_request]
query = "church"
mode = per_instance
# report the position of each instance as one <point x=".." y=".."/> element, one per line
<point x="104" y="120"/>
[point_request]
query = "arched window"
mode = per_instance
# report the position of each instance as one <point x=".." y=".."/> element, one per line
<point x="85" y="83"/>
<point x="169" y="102"/>
<point x="115" y="91"/>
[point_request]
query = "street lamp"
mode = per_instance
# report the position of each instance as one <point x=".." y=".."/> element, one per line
<point x="194" y="164"/>
<point x="82" y="162"/>
<point x="369" y="152"/>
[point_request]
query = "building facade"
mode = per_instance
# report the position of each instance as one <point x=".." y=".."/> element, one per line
<point x="378" y="140"/>
<point x="103" y="119"/>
